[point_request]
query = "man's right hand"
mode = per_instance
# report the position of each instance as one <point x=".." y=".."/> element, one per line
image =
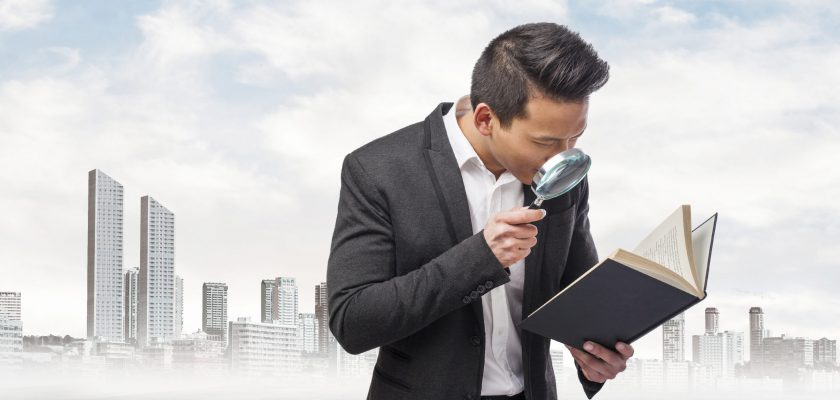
<point x="510" y="235"/>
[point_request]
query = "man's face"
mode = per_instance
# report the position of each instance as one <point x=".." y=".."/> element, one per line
<point x="549" y="127"/>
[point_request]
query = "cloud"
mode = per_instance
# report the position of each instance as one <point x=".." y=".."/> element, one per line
<point x="16" y="15"/>
<point x="674" y="16"/>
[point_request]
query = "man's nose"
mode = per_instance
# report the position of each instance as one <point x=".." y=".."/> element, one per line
<point x="564" y="145"/>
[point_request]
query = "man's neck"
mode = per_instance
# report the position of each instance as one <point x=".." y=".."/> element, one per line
<point x="479" y="144"/>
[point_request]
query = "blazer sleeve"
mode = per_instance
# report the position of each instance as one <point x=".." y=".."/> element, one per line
<point x="582" y="256"/>
<point x="369" y="306"/>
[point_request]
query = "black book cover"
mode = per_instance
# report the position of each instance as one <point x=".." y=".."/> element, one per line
<point x="612" y="303"/>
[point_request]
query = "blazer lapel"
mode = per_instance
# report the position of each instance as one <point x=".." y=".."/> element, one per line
<point x="533" y="261"/>
<point x="449" y="185"/>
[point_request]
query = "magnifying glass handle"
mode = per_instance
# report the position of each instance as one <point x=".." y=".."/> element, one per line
<point x="535" y="205"/>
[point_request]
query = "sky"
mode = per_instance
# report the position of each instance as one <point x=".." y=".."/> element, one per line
<point x="236" y="116"/>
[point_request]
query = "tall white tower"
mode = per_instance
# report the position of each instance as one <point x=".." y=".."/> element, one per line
<point x="284" y="301"/>
<point x="156" y="283"/>
<point x="104" y="258"/>
<point x="673" y="339"/>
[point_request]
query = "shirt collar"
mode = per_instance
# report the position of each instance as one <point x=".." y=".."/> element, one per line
<point x="462" y="148"/>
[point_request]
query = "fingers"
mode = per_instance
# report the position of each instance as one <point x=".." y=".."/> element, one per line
<point x="522" y="215"/>
<point x="521" y="244"/>
<point x="588" y="361"/>
<point x="511" y="242"/>
<point x="593" y="375"/>
<point x="523" y="231"/>
<point x="604" y="353"/>
<point x="625" y="349"/>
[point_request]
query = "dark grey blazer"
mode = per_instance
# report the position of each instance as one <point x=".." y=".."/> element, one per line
<point x="405" y="272"/>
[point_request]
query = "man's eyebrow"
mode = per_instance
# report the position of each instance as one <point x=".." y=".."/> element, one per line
<point x="552" y="138"/>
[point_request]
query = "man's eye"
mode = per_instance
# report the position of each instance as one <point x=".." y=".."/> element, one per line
<point x="545" y="144"/>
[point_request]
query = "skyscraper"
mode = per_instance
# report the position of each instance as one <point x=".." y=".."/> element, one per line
<point x="734" y="351"/>
<point x="284" y="301"/>
<point x="720" y="351"/>
<point x="709" y="350"/>
<point x="179" y="306"/>
<point x="11" y="328"/>
<point x="712" y="320"/>
<point x="323" y="315"/>
<point x="10" y="306"/>
<point x="757" y="333"/>
<point x="266" y="294"/>
<point x="673" y="339"/>
<point x="130" y="301"/>
<point x="156" y="281"/>
<point x="825" y="353"/>
<point x="214" y="316"/>
<point x="104" y="258"/>
<point x="308" y="332"/>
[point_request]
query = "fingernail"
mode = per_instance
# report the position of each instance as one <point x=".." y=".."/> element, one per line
<point x="587" y="346"/>
<point x="620" y="346"/>
<point x="544" y="212"/>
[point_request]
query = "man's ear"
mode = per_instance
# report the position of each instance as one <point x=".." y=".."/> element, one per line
<point x="483" y="118"/>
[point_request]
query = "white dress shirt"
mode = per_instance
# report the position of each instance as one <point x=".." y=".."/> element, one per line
<point x="503" y="305"/>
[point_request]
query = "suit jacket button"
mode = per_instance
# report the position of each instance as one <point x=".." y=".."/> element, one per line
<point x="488" y="284"/>
<point x="469" y="396"/>
<point x="480" y="289"/>
<point x="466" y="299"/>
<point x="474" y="294"/>
<point x="475" y="341"/>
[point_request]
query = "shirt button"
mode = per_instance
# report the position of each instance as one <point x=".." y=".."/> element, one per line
<point x="475" y="341"/>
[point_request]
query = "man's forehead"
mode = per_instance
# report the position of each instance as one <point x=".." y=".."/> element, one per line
<point x="543" y="136"/>
<point x="557" y="125"/>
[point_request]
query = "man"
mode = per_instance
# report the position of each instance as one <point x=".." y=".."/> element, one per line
<point x="434" y="257"/>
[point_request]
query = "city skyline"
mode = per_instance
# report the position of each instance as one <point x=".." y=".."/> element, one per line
<point x="279" y="296"/>
<point x="281" y="349"/>
<point x="293" y="343"/>
<point x="674" y="347"/>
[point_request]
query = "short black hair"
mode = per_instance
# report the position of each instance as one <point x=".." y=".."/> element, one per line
<point x="539" y="59"/>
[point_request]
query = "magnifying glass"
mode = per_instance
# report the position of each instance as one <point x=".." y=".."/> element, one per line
<point x="559" y="174"/>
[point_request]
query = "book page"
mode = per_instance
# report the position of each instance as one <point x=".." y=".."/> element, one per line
<point x="701" y="240"/>
<point x="667" y="246"/>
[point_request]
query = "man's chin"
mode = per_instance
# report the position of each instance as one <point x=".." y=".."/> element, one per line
<point x="527" y="181"/>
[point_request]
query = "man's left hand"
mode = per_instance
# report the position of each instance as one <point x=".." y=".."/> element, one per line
<point x="599" y="363"/>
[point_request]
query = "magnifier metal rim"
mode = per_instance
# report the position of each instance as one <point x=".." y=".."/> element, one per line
<point x="559" y="161"/>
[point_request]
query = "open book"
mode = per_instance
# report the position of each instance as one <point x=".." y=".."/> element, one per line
<point x="631" y="293"/>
